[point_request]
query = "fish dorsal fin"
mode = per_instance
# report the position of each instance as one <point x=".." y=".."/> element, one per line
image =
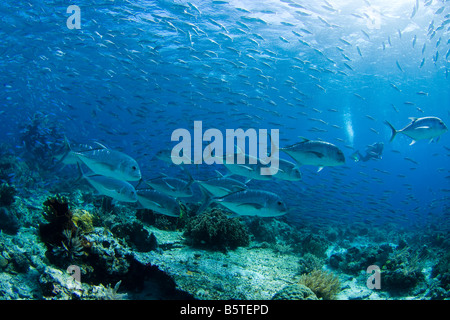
<point x="303" y="139"/>
<point x="413" y="119"/>
<point x="219" y="174"/>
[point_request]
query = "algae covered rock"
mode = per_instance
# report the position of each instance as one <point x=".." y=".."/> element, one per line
<point x="295" y="292"/>
<point x="214" y="230"/>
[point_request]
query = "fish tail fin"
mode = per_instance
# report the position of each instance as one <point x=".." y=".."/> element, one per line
<point x="394" y="132"/>
<point x="80" y="173"/>
<point x="191" y="179"/>
<point x="206" y="201"/>
<point x="66" y="151"/>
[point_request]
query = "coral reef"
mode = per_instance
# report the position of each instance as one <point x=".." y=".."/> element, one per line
<point x="61" y="235"/>
<point x="83" y="220"/>
<point x="310" y="262"/>
<point x="214" y="230"/>
<point x="403" y="270"/>
<point x="136" y="236"/>
<point x="41" y="137"/>
<point x="9" y="223"/>
<point x="295" y="292"/>
<point x="357" y="258"/>
<point x="325" y="285"/>
<point x="7" y="194"/>
<point x="315" y="244"/>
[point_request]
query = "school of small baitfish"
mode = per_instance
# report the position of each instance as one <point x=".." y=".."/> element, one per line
<point x="229" y="64"/>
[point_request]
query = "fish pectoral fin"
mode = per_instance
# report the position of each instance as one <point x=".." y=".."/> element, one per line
<point x="246" y="167"/>
<point x="156" y="204"/>
<point x="423" y="128"/>
<point x="252" y="204"/>
<point x="169" y="186"/>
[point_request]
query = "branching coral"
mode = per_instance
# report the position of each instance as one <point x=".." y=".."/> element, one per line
<point x="324" y="284"/>
<point x="72" y="247"/>
<point x="61" y="235"/>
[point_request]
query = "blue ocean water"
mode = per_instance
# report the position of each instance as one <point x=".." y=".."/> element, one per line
<point x="325" y="70"/>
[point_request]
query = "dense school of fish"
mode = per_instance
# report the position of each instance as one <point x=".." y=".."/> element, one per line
<point x="137" y="70"/>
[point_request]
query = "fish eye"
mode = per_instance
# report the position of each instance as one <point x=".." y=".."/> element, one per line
<point x="133" y="168"/>
<point x="279" y="203"/>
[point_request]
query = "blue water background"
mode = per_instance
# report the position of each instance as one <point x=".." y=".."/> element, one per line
<point x="137" y="70"/>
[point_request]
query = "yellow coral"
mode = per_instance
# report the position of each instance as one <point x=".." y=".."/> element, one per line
<point x="324" y="284"/>
<point x="83" y="220"/>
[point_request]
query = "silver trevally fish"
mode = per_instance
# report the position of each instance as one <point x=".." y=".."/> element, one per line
<point x="316" y="153"/>
<point x="158" y="202"/>
<point x="251" y="202"/>
<point x="288" y="171"/>
<point x="221" y="186"/>
<point x="119" y="190"/>
<point x="173" y="187"/>
<point x="110" y="163"/>
<point x="67" y="154"/>
<point x="425" y="128"/>
<point x="250" y="169"/>
<point x="166" y="156"/>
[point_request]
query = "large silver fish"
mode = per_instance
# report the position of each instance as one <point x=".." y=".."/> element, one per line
<point x="251" y="202"/>
<point x="288" y="171"/>
<point x="173" y="187"/>
<point x="110" y="163"/>
<point x="316" y="153"/>
<point x="426" y="128"/>
<point x="158" y="202"/>
<point x="221" y="186"/>
<point x="117" y="189"/>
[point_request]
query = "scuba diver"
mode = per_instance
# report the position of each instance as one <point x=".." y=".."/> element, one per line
<point x="373" y="151"/>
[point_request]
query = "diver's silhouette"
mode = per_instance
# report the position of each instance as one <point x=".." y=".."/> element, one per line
<point x="373" y="151"/>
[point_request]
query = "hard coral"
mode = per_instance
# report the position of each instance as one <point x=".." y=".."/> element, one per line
<point x="295" y="292"/>
<point x="403" y="271"/>
<point x="83" y="220"/>
<point x="324" y="284"/>
<point x="216" y="231"/>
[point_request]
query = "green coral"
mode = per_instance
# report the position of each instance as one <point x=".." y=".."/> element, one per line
<point x="214" y="230"/>
<point x="324" y="284"/>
